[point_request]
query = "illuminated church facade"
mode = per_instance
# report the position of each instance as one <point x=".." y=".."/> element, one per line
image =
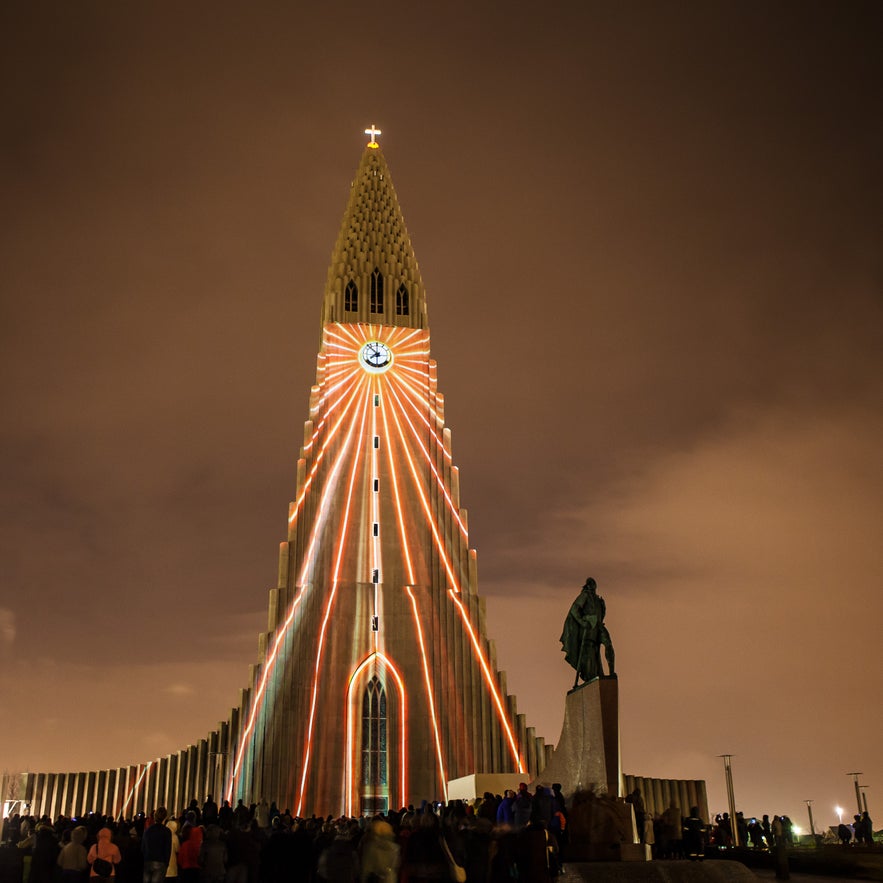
<point x="376" y="683"/>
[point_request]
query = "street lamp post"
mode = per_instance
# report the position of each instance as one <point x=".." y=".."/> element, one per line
<point x="728" y="770"/>
<point x="864" y="796"/>
<point x="858" y="793"/>
<point x="812" y="829"/>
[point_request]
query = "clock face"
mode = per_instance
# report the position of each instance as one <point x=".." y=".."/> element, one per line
<point x="376" y="356"/>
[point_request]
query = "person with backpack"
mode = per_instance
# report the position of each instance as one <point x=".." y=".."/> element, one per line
<point x="103" y="857"/>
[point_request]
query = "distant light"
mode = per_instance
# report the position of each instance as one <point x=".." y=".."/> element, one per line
<point x="839" y="811"/>
<point x="797" y="829"/>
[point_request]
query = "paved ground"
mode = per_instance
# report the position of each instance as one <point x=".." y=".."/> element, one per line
<point x="628" y="871"/>
<point x="803" y="878"/>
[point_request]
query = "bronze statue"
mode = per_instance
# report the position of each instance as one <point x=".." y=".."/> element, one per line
<point x="585" y="633"/>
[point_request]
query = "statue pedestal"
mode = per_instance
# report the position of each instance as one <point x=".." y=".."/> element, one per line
<point x="587" y="755"/>
<point x="586" y="762"/>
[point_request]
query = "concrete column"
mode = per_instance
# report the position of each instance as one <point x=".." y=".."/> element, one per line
<point x="162" y="786"/>
<point x="113" y="793"/>
<point x="68" y="784"/>
<point x="658" y="797"/>
<point x="540" y="747"/>
<point x="148" y="789"/>
<point x="137" y="803"/>
<point x="87" y="799"/>
<point x="42" y="794"/>
<point x="684" y="798"/>
<point x="113" y="797"/>
<point x="192" y="784"/>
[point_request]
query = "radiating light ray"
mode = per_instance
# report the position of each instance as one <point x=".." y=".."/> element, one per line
<point x="400" y="519"/>
<point x="453" y="591"/>
<point x="406" y="546"/>
<point x="406" y="335"/>
<point x="427" y="511"/>
<point x="341" y="544"/>
<point x="420" y="404"/>
<point x="489" y="678"/>
<point x="418" y="372"/>
<point x="443" y="777"/>
<point x="136" y="786"/>
<point x="268" y="667"/>
<point x="357" y="339"/>
<point x="330" y="485"/>
<point x="350" y="728"/>
<point x="417" y="422"/>
<point x="329" y="436"/>
<point x="430" y="460"/>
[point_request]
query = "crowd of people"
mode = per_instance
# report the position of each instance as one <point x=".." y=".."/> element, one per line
<point x="519" y="835"/>
<point x="861" y="833"/>
<point x="495" y="840"/>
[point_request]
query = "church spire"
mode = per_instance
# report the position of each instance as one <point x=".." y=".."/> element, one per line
<point x="374" y="277"/>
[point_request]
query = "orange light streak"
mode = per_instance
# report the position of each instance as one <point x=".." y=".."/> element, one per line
<point x="429" y="460"/>
<point x="486" y="669"/>
<point x="136" y="786"/>
<point x="427" y="511"/>
<point x="433" y="716"/>
<point x="330" y="487"/>
<point x="409" y="566"/>
<point x="350" y="728"/>
<point x="269" y="665"/>
<point x="443" y="778"/>
<point x="454" y="590"/>
<point x="341" y="543"/>
<point x="353" y="395"/>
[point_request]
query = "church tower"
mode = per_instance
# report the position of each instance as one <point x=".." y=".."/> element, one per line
<point x="377" y="683"/>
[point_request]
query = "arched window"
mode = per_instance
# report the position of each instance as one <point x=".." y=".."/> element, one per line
<point x="351" y="297"/>
<point x="376" y="291"/>
<point x="402" y="301"/>
<point x="374" y="767"/>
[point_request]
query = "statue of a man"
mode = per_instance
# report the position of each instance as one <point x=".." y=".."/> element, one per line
<point x="585" y="633"/>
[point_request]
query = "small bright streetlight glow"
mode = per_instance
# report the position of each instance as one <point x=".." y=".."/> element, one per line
<point x="797" y="830"/>
<point x="839" y="811"/>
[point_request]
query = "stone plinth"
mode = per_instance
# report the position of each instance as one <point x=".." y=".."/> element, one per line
<point x="470" y="787"/>
<point x="587" y="755"/>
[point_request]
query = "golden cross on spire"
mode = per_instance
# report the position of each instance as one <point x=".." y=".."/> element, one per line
<point x="373" y="132"/>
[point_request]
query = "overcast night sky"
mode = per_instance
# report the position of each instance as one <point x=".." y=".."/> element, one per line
<point x="651" y="240"/>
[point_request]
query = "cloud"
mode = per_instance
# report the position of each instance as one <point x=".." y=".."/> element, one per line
<point x="7" y="628"/>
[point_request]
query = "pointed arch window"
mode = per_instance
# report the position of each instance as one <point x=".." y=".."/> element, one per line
<point x="376" y="291"/>
<point x="351" y="297"/>
<point x="374" y="756"/>
<point x="403" y="305"/>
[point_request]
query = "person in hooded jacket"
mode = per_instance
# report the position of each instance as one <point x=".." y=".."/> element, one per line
<point x="106" y="850"/>
<point x="72" y="859"/>
<point x="172" y="870"/>
<point x="131" y="866"/>
<point x="380" y="854"/>
<point x="44" y="855"/>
